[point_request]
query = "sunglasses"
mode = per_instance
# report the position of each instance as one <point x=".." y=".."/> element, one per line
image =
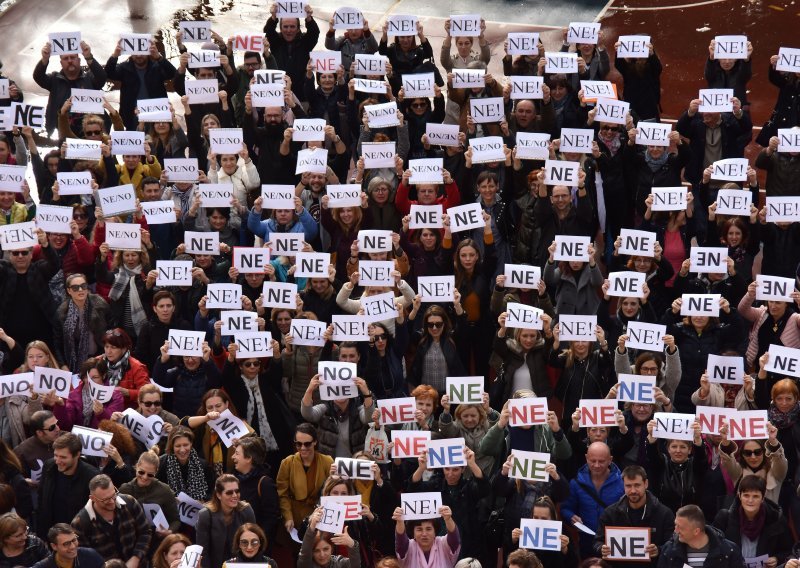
<point x="92" y="132"/>
<point x="381" y="337"/>
<point x="143" y="473"/>
<point x="20" y="252"/>
<point x="230" y="492"/>
<point x="113" y="333"/>
<point x="419" y="105"/>
<point x="150" y="403"/>
<point x="244" y="543"/>
<point x="303" y="444"/>
<point x="79" y="216"/>
<point x="251" y="364"/>
<point x="607" y="128"/>
<point x="78" y="287"/>
<point x="434" y="324"/>
<point x="50" y="428"/>
<point x="751" y="453"/>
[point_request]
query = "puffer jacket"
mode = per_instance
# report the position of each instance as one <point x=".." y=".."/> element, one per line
<point x="722" y="553"/>
<point x="677" y="484"/>
<point x="60" y="87"/>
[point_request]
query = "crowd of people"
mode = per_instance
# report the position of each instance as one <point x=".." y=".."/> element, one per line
<point x="80" y="303"/>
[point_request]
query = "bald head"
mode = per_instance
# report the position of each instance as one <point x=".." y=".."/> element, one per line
<point x="598" y="458"/>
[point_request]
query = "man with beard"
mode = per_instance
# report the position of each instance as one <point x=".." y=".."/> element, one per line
<point x="291" y="47"/>
<point x="60" y="83"/>
<point x="637" y="508"/>
<point x="273" y="168"/>
<point x="141" y="77"/>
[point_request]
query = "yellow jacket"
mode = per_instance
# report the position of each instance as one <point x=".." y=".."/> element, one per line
<point x="297" y="500"/>
<point x="141" y="172"/>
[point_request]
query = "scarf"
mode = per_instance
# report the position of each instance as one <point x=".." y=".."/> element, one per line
<point x="77" y="335"/>
<point x="783" y="420"/>
<point x="195" y="486"/>
<point x="118" y="369"/>
<point x="126" y="278"/>
<point x="185" y="198"/>
<point x="612" y="140"/>
<point x="86" y="398"/>
<point x="254" y="401"/>
<point x="656" y="164"/>
<point x="752" y="528"/>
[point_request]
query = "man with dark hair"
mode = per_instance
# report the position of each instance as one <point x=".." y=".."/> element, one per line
<point x="637" y="508"/>
<point x="522" y="558"/>
<point x="66" y="552"/>
<point x="156" y="330"/>
<point x="64" y="488"/>
<point x="113" y="524"/>
<point x="37" y="449"/>
<point x="697" y="545"/>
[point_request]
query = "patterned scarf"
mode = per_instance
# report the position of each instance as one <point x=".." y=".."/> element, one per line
<point x="76" y="327"/>
<point x="782" y="420"/>
<point x="611" y="139"/>
<point x="126" y="278"/>
<point x="86" y="399"/>
<point x="254" y="400"/>
<point x="655" y="164"/>
<point x="118" y="369"/>
<point x="195" y="486"/>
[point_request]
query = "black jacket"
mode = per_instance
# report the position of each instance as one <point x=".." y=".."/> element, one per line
<point x="693" y="128"/>
<point x="656" y="516"/>
<point x="258" y="489"/>
<point x="775" y="538"/>
<point x="68" y="503"/>
<point x="37" y="278"/>
<point x="722" y="553"/>
<point x="155" y="74"/>
<point x="293" y="57"/>
<point x="61" y="88"/>
<point x="87" y="558"/>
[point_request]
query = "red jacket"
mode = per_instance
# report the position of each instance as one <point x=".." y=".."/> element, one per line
<point x="135" y="378"/>
<point x="79" y="257"/>
<point x="451" y="199"/>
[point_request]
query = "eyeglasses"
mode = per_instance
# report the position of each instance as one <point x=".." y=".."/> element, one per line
<point x="244" y="543"/>
<point x="110" y="498"/>
<point x="381" y="337"/>
<point x="92" y="132"/>
<point x="70" y="543"/>
<point x="750" y="453"/>
<point x="607" y="128"/>
<point x="648" y="369"/>
<point x="79" y="216"/>
<point x="303" y="444"/>
<point x="253" y="65"/>
<point x="149" y="403"/>
<point x="251" y="364"/>
<point x="143" y="473"/>
<point x="78" y="287"/>
<point x="381" y="189"/>
<point x="20" y="252"/>
<point x="230" y="492"/>
<point x="434" y="324"/>
<point x="50" y="428"/>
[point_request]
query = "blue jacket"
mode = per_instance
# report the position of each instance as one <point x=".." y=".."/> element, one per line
<point x="582" y="502"/>
<point x="305" y="224"/>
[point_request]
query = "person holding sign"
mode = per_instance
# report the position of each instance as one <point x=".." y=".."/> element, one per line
<point x="182" y="468"/>
<point x="574" y="282"/>
<point x="544" y="509"/>
<point x="656" y="267"/>
<point x="742" y="245"/>
<point x="223" y="220"/>
<point x="593" y="60"/>
<point x="723" y="73"/>
<point x="384" y="368"/>
<point x="424" y="543"/>
<point x="464" y="54"/>
<point x="406" y="56"/>
<point x="399" y="303"/>
<point x="756" y="523"/>
<point x="673" y="228"/>
<point x="524" y="357"/>
<point x="355" y="40"/>
<point x="437" y="354"/>
<point x="317" y="548"/>
<point x="419" y="113"/>
<point x="290" y="46"/>
<point x="146" y="489"/>
<point x="772" y="323"/>
<point x="80" y="321"/>
<point x="188" y="376"/>
<point x="642" y="75"/>
<point x="341" y="423"/>
<point x="219" y="520"/>
<point x="297" y="220"/>
<point x="462" y="96"/>
<point x="678" y="468"/>
<point x="755" y="458"/>
<point x="343" y="225"/>
<point x="84" y="407"/>
<point x="238" y="170"/>
<point x="427" y="193"/>
<point x="124" y="373"/>
<point x="472" y="422"/>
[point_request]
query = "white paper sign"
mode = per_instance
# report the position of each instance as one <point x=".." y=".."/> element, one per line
<point x="420" y="505"/>
<point x="312" y="264"/>
<point x="117" y="200"/>
<point x="633" y="46"/>
<point x="127" y="143"/>
<point x="409" y="443"/>
<point x="291" y="9"/>
<point x="101" y="393"/>
<point x="54" y="219"/>
<point x="215" y="194"/>
<point x="87" y="101"/>
<point x="156" y="515"/>
<point x="636" y="388"/>
<point x="191" y="557"/>
<point x="92" y="441"/>
<point x="526" y="87"/>
<point x="370" y="86"/>
<point x="354" y="469"/>
<point x="628" y="543"/>
<point x="448" y="452"/>
<point x="700" y="305"/>
<point x="370" y="64"/>
<point x="540" y="535"/>
<point x="425" y="217"/>
<point x="730" y="47"/>
<point x="25" y="115"/>
<point x="349" y="328"/>
<point x="382" y="115"/>
<point x="486" y="110"/>
<point x="279" y="295"/>
<point x="64" y="43"/>
<point x="159" y="212"/>
<point x="228" y="427"/>
<point x="523" y="43"/>
<point x="374" y="241"/>
<point x="312" y="160"/>
<point x="226" y="140"/>
<point x="748" y="425"/>
<point x="788" y="60"/>
<point x="464" y="390"/>
<point x="709" y="260"/>
<point x="734" y="202"/>
<point x="577" y="328"/>
<point x="181" y="169"/>
<point x="612" y="111"/>
<point x="337" y="380"/>
<point x="348" y="195"/>
<point x="397" y="411"/>
<point x="201" y="91"/>
<point x="352" y="504"/>
<point x="533" y="146"/>
<point x="254" y="344"/>
<point x="278" y="197"/>
<point x="203" y="58"/>
<point x="378" y="154"/>
<point x="669" y="198"/>
<point x="639" y="243"/>
<point x="583" y="32"/>
<point x="465" y="25"/>
<point x="124" y="236"/>
<point x="426" y="170"/>
<point x="401" y="25"/>
<point x="174" y="273"/>
<point x="712" y="417"/>
<point x="726" y="370"/>
<point x="308" y="332"/>
<point x="188" y="509"/>
<point x="653" y="133"/>
<point x="673" y="426"/>
<point x="442" y="134"/>
<point x="5" y="85"/>
<point x="135" y="44"/>
<point x="559" y="172"/>
<point x="716" y="100"/>
<point x="627" y="284"/>
<point x="18" y="384"/>
<point x="647" y="336"/>
<point x="154" y="110"/>
<point x="783" y="209"/>
<point x="224" y="296"/>
<point x="436" y="288"/>
<point x="576" y="140"/>
<point x="468" y="78"/>
<point x="326" y="61"/>
<point x="183" y="342"/>
<point x="18" y="236"/>
<point x="732" y="169"/>
<point x="560" y="62"/>
<point x="572" y="248"/>
<point x="79" y="149"/>
<point x="776" y="288"/>
<point x="348" y="19"/>
<point x="466" y="217"/>
<point x="74" y="183"/>
<point x="46" y="380"/>
<point x="783" y="361"/>
<point x="195" y="31"/>
<point x="308" y="129"/>
<point x="529" y="465"/>
<point x="418" y="85"/>
<point x="198" y="242"/>
<point x="286" y="244"/>
<point x="379" y="307"/>
<point x="375" y="273"/>
<point x="523" y="316"/>
<point x="487" y="149"/>
<point x="268" y="95"/>
<point x="522" y="276"/>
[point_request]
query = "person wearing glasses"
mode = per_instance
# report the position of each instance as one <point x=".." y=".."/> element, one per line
<point x="300" y="480"/>
<point x="80" y="407"/>
<point x="38" y="448"/>
<point x="437" y="357"/>
<point x="657" y="270"/>
<point x="189" y="377"/>
<point x="220" y="519"/>
<point x="81" y="321"/>
<point x="19" y="546"/>
<point x="249" y="547"/>
<point x="27" y="308"/>
<point x="65" y="550"/>
<point x="146" y="489"/>
<point x="318" y="547"/>
<point x="114" y="525"/>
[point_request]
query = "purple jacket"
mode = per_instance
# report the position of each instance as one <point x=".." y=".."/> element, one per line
<point x="72" y="412"/>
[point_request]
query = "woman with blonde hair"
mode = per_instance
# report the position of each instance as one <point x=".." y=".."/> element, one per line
<point x="343" y="225"/>
<point x="146" y="489"/>
<point x="18" y="408"/>
<point x="219" y="520"/>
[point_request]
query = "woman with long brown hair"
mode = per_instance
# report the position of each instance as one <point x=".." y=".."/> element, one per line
<point x="220" y="519"/>
<point x="343" y="224"/>
<point x="437" y="355"/>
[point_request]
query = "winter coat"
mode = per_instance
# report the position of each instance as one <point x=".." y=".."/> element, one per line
<point x="60" y="88"/>
<point x="574" y="296"/>
<point x="783" y="171"/>
<point x="591" y="377"/>
<point x="511" y="356"/>
<point x="497" y="443"/>
<point x="296" y="499"/>
<point x="293" y="56"/>
<point x="677" y="484"/>
<point x="99" y="312"/>
<point x="693" y="128"/>
<point x="778" y="467"/>
<point x="216" y="537"/>
<point x="722" y="553"/>
<point x="305" y="224"/>
<point x="69" y="503"/>
<point x="156" y="73"/>
<point x="71" y="414"/>
<point x="188" y="387"/>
